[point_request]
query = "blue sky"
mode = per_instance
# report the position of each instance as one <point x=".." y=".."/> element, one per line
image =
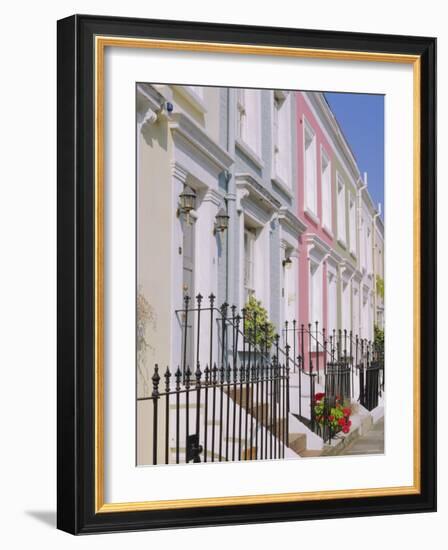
<point x="361" y="117"/>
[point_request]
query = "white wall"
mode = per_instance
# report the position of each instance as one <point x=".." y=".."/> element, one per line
<point x="28" y="274"/>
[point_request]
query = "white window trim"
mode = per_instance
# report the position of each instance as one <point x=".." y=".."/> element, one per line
<point x="285" y="186"/>
<point x="313" y="214"/>
<point x="352" y="233"/>
<point x="318" y="299"/>
<point x="249" y="152"/>
<point x="332" y="283"/>
<point x="342" y="239"/>
<point x="240" y="142"/>
<point x="325" y="227"/>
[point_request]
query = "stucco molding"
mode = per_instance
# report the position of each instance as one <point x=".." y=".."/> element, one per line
<point x="256" y="192"/>
<point x="317" y="249"/>
<point x="213" y="196"/>
<point x="347" y="271"/>
<point x="179" y="172"/>
<point x="149" y="105"/>
<point x="188" y="134"/>
<point x="289" y="221"/>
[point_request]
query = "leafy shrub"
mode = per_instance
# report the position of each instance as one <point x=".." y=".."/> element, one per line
<point x="257" y="325"/>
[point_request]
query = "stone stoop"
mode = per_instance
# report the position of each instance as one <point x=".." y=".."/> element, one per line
<point x="362" y="423"/>
<point x="297" y="442"/>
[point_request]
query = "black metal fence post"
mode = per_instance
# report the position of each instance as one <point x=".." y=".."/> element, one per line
<point x="167" y="413"/>
<point x="155" y="401"/>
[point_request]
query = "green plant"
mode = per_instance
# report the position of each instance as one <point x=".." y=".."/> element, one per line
<point x="380" y="286"/>
<point x="378" y="340"/>
<point x="337" y="418"/>
<point x="257" y="325"/>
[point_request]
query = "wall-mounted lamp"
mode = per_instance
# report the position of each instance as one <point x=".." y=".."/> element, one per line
<point x="287" y="262"/>
<point x="222" y="221"/>
<point x="187" y="202"/>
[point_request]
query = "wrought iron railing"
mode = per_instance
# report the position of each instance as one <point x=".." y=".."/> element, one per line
<point x="220" y="414"/>
<point x="238" y="406"/>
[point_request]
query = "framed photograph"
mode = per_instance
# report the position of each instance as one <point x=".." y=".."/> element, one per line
<point x="246" y="274"/>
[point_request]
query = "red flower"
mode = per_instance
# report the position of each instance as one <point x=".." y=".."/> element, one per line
<point x="345" y="429"/>
<point x="331" y="418"/>
<point x="341" y="422"/>
<point x="347" y="411"/>
<point x="348" y="423"/>
<point x="319" y="396"/>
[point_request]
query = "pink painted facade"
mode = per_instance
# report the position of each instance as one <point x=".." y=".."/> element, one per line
<point x="316" y="238"/>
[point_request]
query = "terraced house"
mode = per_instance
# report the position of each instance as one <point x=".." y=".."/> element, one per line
<point x="258" y="246"/>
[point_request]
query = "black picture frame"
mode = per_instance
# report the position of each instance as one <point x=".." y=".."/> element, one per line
<point x="76" y="224"/>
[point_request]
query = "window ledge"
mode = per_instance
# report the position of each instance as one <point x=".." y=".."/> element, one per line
<point x="284" y="187"/>
<point x="342" y="242"/>
<point x="328" y="231"/>
<point x="311" y="215"/>
<point x="249" y="152"/>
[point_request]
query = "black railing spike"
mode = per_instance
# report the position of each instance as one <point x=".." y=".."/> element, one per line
<point x="211" y="299"/>
<point x="178" y="377"/>
<point x="167" y="379"/>
<point x="187" y="377"/>
<point x="198" y="375"/>
<point x="228" y="373"/>
<point x="199" y="299"/>
<point x="214" y="373"/>
<point x="207" y="375"/>
<point x="155" y="381"/>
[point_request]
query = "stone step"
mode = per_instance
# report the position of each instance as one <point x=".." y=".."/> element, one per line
<point x="297" y="442"/>
<point x="308" y="453"/>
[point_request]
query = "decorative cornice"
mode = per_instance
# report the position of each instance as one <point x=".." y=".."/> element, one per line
<point x="241" y="193"/>
<point x="183" y="127"/>
<point x="317" y="248"/>
<point x="256" y="192"/>
<point x="213" y="196"/>
<point x="334" y="258"/>
<point x="287" y="219"/>
<point x="149" y="95"/>
<point x="347" y="271"/>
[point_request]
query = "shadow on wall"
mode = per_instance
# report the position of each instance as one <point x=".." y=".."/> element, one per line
<point x="156" y="132"/>
<point x="48" y="517"/>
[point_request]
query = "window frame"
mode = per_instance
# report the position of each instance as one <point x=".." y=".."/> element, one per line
<point x="311" y="209"/>
<point x="327" y="220"/>
<point x="341" y="216"/>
